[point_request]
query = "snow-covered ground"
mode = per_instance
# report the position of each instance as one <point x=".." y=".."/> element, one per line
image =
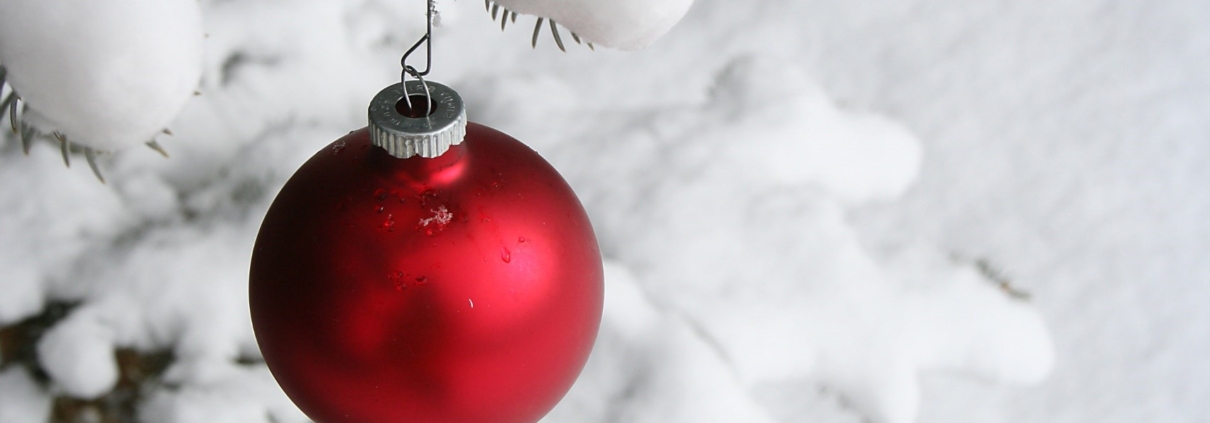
<point x="811" y="211"/>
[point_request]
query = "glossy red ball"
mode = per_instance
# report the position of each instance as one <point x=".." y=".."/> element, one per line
<point x="461" y="289"/>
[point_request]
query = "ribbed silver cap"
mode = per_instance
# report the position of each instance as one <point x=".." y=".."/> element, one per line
<point x="430" y="136"/>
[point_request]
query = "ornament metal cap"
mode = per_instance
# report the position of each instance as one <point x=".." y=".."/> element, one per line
<point x="404" y="136"/>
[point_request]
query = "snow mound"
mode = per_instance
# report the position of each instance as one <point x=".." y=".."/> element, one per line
<point x="21" y="400"/>
<point x="239" y="395"/>
<point x="783" y="126"/>
<point x="732" y="216"/>
<point x="622" y="24"/>
<point x="78" y="354"/>
<point x="50" y="217"/>
<point x="107" y="75"/>
<point x="650" y="365"/>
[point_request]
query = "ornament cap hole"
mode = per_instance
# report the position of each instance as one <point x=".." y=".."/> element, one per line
<point x="434" y="121"/>
<point x="418" y="110"/>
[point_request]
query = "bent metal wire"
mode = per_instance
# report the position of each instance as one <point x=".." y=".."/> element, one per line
<point x="427" y="41"/>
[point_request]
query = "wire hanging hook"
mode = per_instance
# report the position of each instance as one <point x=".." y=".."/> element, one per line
<point x="428" y="96"/>
<point x="427" y="41"/>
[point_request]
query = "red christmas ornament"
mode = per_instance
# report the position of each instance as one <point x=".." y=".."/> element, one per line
<point x="466" y="287"/>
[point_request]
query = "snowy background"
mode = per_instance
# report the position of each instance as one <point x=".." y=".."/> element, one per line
<point x="811" y="211"/>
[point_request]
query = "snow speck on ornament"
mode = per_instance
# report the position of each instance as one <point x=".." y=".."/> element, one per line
<point x="106" y="75"/>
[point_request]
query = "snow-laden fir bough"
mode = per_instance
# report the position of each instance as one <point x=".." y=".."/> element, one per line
<point x="622" y="24"/>
<point x="97" y="76"/>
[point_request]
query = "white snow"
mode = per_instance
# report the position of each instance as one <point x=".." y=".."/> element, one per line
<point x="240" y="395"/>
<point x="650" y="365"/>
<point x="623" y="24"/>
<point x="49" y="220"/>
<point x="757" y="254"/>
<point x="78" y="354"/>
<point x="790" y="197"/>
<point x="107" y="75"/>
<point x="21" y="400"/>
